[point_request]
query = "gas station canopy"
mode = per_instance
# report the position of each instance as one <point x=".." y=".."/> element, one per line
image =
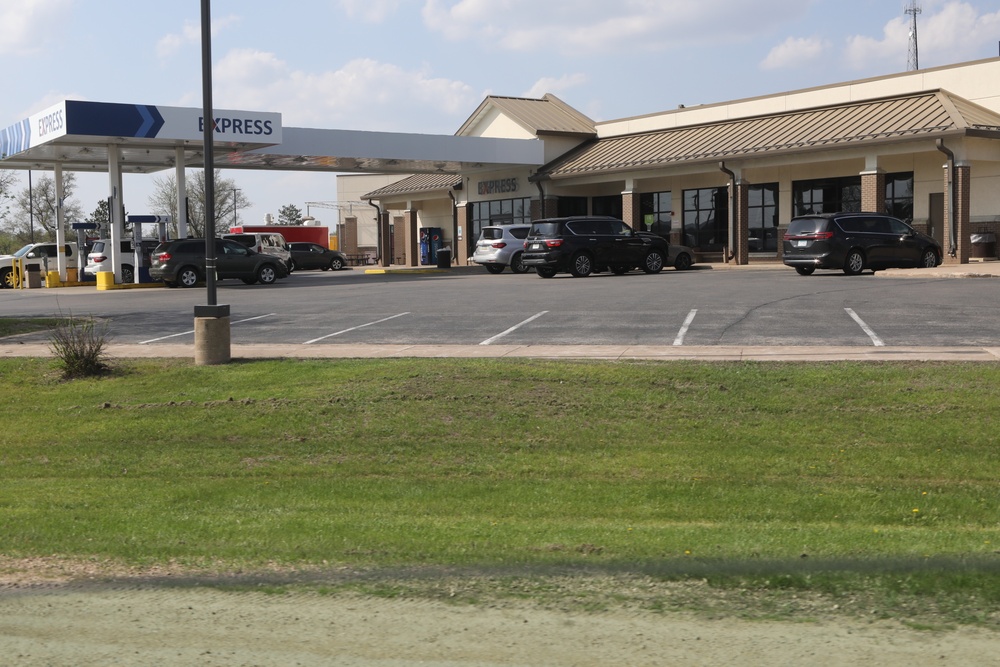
<point x="81" y="136"/>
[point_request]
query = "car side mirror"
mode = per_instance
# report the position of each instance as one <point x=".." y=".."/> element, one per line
<point x="31" y="255"/>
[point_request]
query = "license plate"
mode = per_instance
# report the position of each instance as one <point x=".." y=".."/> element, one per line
<point x="536" y="246"/>
<point x="801" y="244"/>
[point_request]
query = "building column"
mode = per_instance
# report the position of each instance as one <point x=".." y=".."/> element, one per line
<point x="962" y="184"/>
<point x="350" y="241"/>
<point x="411" y="245"/>
<point x="873" y="191"/>
<point x="631" y="215"/>
<point x="741" y="208"/>
<point x="463" y="238"/>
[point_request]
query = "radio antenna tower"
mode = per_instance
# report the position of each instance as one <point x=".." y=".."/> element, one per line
<point x="912" y="61"/>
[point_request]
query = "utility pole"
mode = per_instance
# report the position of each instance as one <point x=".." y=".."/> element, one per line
<point x="912" y="60"/>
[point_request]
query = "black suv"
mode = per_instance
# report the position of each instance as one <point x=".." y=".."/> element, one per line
<point x="854" y="242"/>
<point x="182" y="262"/>
<point x="585" y="245"/>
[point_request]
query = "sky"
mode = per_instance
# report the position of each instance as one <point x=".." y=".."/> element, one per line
<point x="425" y="65"/>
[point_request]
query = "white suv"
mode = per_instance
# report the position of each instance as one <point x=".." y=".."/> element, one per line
<point x="41" y="256"/>
<point x="99" y="257"/>
<point x="267" y="244"/>
<point x="501" y="245"/>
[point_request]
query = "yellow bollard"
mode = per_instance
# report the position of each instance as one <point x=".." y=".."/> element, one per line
<point x="105" y="280"/>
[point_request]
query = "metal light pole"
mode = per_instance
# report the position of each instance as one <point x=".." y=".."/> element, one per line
<point x="211" y="322"/>
<point x="236" y="219"/>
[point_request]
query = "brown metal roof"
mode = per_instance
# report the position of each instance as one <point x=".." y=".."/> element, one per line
<point x="549" y="115"/>
<point x="415" y="184"/>
<point x="925" y="115"/>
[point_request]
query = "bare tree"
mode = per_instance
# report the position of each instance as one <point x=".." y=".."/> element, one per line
<point x="229" y="199"/>
<point x="35" y="208"/>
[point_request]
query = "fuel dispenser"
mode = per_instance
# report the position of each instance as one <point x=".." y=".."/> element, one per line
<point x="140" y="253"/>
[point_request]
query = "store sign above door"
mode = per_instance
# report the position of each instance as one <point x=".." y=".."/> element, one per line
<point x="138" y="121"/>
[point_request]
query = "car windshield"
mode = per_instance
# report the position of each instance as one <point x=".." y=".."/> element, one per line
<point x="24" y="251"/>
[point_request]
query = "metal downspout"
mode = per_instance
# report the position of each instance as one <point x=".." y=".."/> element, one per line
<point x="454" y="224"/>
<point x="952" y="223"/>
<point x="732" y="205"/>
<point x="378" y="231"/>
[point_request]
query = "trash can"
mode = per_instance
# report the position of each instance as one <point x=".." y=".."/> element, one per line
<point x="984" y="246"/>
<point x="32" y="276"/>
<point x="444" y="258"/>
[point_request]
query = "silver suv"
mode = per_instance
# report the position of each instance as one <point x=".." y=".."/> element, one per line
<point x="501" y="245"/>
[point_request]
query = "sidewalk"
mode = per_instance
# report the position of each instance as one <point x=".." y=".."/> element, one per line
<point x="603" y="352"/>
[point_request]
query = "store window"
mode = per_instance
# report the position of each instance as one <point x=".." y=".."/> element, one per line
<point x="655" y="212"/>
<point x="899" y="195"/>
<point x="827" y="195"/>
<point x="570" y="206"/>
<point x="763" y="217"/>
<point x="499" y="212"/>
<point x="705" y="218"/>
<point x="610" y="205"/>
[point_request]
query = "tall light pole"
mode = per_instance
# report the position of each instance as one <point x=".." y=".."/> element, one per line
<point x="211" y="322"/>
<point x="236" y="220"/>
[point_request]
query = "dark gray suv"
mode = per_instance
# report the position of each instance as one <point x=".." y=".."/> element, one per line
<point x="591" y="244"/>
<point x="853" y="242"/>
<point x="182" y="262"/>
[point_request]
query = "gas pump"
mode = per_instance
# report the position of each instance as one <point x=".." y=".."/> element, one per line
<point x="141" y="259"/>
<point x="81" y="229"/>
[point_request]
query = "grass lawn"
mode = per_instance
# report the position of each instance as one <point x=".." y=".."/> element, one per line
<point x="831" y="478"/>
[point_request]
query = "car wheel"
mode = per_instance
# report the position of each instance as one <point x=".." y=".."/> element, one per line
<point x="545" y="272"/>
<point x="266" y="275"/>
<point x="494" y="268"/>
<point x="128" y="274"/>
<point x="683" y="262"/>
<point x="929" y="259"/>
<point x="249" y="281"/>
<point x="517" y="265"/>
<point x="581" y="265"/>
<point x="7" y="278"/>
<point x="854" y="263"/>
<point x="805" y="270"/>
<point x="188" y="276"/>
<point x="619" y="270"/>
<point x="653" y="262"/>
<point x="336" y="264"/>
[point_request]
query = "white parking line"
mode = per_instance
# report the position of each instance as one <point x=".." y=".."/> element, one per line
<point x="864" y="327"/>
<point x="188" y="333"/>
<point x="489" y="341"/>
<point x="684" y="327"/>
<point x="360" y="326"/>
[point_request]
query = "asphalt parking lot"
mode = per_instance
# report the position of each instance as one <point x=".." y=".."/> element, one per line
<point x="772" y="307"/>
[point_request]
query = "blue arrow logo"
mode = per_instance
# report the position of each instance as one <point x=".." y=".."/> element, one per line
<point x="152" y="121"/>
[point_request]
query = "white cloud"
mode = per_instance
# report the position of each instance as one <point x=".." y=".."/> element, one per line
<point x="584" y="27"/>
<point x="795" y="52"/>
<point x="372" y="11"/>
<point x="190" y="34"/>
<point x="362" y="95"/>
<point x="948" y="32"/>
<point x="23" y="21"/>
<point x="555" y="86"/>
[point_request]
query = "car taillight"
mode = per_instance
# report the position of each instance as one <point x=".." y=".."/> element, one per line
<point x="98" y="259"/>
<point x="817" y="236"/>
<point x="162" y="257"/>
<point x="499" y="245"/>
<point x="553" y="243"/>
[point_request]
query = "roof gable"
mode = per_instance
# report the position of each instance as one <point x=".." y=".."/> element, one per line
<point x="548" y="115"/>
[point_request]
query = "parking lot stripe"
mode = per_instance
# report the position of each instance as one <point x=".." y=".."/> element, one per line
<point x="489" y="341"/>
<point x="188" y="333"/>
<point x="684" y="327"/>
<point x="864" y="327"/>
<point x="360" y="326"/>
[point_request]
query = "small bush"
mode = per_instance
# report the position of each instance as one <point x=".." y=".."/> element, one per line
<point x="80" y="345"/>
